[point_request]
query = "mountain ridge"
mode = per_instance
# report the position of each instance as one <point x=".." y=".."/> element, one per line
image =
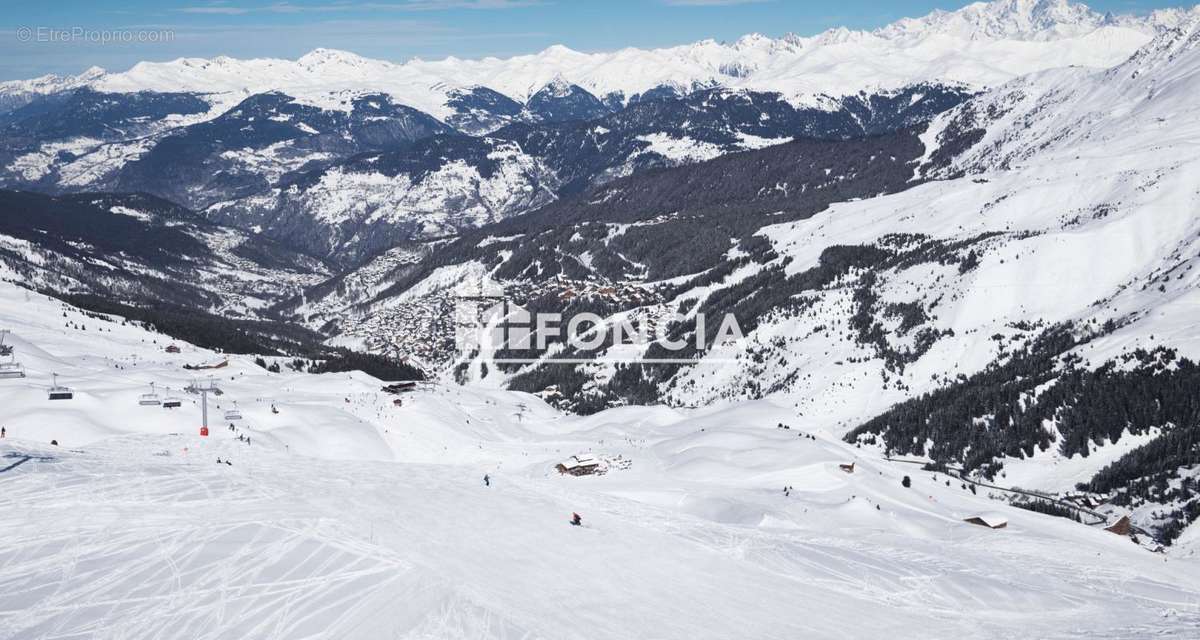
<point x="973" y="45"/>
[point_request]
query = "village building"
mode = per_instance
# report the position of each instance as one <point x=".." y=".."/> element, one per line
<point x="579" y="465"/>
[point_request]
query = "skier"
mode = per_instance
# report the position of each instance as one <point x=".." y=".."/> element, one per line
<point x="576" y="520"/>
<point x="487" y="481"/>
<point x="3" y="432"/>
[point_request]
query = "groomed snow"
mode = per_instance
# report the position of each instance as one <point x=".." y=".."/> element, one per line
<point x="349" y="517"/>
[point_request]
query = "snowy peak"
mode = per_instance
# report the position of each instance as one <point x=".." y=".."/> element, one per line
<point x="1172" y="55"/>
<point x="558" y="87"/>
<point x="839" y="35"/>
<point x="755" y="41"/>
<point x="558" y="50"/>
<point x="51" y="83"/>
<point x="1005" y="19"/>
<point x="1054" y="114"/>
<point x="1028" y="20"/>
<point x="560" y="100"/>
<point x="1174" y="17"/>
<point x="334" y="59"/>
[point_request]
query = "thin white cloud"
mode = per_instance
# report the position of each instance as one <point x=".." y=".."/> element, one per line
<point x="434" y="5"/>
<point x="406" y="5"/>
<point x="226" y="11"/>
<point x="711" y="3"/>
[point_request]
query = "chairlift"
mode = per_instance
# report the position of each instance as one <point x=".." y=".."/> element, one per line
<point x="12" y="368"/>
<point x="5" y="349"/>
<point x="150" y="399"/>
<point x="172" y="402"/>
<point x="59" y="392"/>
<point x="233" y="415"/>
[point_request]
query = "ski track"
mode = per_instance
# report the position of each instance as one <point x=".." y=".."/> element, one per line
<point x="116" y="541"/>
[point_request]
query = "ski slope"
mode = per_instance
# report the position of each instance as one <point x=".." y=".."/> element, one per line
<point x="348" y="517"/>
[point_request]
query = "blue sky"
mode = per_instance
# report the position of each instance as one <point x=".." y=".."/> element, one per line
<point x="400" y="29"/>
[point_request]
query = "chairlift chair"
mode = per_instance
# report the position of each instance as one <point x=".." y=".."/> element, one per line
<point x="11" y="369"/>
<point x="150" y="399"/>
<point x="172" y="402"/>
<point x="58" y="392"/>
<point x="5" y="349"/>
<point x="233" y="415"/>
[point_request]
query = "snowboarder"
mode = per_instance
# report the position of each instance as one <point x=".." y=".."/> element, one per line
<point x="487" y="480"/>
<point x="576" y="520"/>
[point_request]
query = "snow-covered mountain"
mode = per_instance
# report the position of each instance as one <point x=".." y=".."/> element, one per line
<point x="171" y="145"/>
<point x="1026" y="20"/>
<point x="344" y="184"/>
<point x="142" y="249"/>
<point x="1034" y="259"/>
<point x="980" y="45"/>
<point x="17" y="93"/>
<point x="442" y="185"/>
<point x="372" y="202"/>
<point x="271" y="145"/>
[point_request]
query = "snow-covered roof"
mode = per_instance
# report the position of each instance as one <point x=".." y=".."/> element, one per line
<point x="584" y="460"/>
<point x="992" y="519"/>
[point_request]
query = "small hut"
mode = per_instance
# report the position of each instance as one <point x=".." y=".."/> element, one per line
<point x="989" y="520"/>
<point x="848" y="468"/>
<point x="172" y="348"/>
<point x="1122" y="527"/>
